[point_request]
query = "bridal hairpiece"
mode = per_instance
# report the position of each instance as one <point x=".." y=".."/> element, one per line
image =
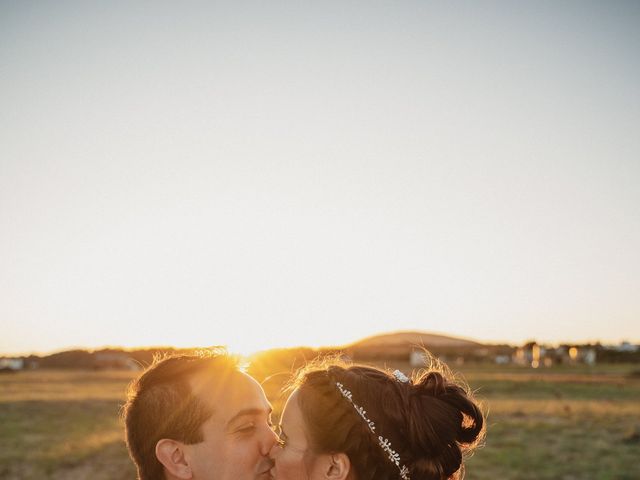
<point x="384" y="443"/>
<point x="401" y="377"/>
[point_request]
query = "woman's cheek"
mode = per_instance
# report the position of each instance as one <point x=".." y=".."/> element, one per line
<point x="289" y="467"/>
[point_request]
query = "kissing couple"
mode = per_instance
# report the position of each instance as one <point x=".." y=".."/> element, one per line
<point x="200" y="417"/>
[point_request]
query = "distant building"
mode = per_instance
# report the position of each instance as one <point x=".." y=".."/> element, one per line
<point x="528" y="355"/>
<point x="13" y="364"/>
<point x="116" y="360"/>
<point x="576" y="354"/>
<point x="535" y="355"/>
<point x="502" y="359"/>
<point x="589" y="356"/>
<point x="626" y="347"/>
<point x="418" y="358"/>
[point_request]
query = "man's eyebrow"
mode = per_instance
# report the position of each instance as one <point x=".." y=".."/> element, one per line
<point x="248" y="412"/>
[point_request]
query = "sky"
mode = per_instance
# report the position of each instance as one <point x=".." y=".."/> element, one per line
<point x="271" y="174"/>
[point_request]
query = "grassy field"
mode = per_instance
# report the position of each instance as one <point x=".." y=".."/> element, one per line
<point x="561" y="423"/>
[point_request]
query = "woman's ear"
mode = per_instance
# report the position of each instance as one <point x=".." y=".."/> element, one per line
<point x="171" y="455"/>
<point x="339" y="467"/>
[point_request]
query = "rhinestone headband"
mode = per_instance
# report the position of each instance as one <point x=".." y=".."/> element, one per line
<point x="401" y="377"/>
<point x="384" y="443"/>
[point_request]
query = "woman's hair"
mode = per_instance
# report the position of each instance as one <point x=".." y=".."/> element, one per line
<point x="431" y="421"/>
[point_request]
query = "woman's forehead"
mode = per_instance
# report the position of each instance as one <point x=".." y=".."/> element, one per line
<point x="292" y="420"/>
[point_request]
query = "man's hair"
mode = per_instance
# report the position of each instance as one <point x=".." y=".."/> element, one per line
<point x="161" y="404"/>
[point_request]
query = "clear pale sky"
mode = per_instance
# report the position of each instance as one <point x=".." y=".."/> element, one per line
<point x="264" y="174"/>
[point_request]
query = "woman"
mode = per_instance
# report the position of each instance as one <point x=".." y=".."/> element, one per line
<point x="362" y="423"/>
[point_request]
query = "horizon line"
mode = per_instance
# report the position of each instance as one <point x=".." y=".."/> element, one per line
<point x="95" y="348"/>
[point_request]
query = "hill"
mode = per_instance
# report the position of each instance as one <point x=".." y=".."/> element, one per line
<point x="417" y="339"/>
<point x="399" y="345"/>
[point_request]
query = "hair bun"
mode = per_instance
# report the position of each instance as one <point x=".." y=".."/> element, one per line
<point x="444" y="422"/>
<point x="433" y="384"/>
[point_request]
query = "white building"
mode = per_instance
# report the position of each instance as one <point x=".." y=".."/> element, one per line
<point x="11" y="363"/>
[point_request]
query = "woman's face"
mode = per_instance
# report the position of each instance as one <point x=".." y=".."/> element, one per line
<point x="293" y="458"/>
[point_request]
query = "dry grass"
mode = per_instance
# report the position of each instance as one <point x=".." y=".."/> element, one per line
<point x="558" y="424"/>
<point x="63" y="424"/>
<point x="553" y="424"/>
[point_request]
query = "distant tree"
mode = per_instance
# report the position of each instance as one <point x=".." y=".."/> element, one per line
<point x="69" y="359"/>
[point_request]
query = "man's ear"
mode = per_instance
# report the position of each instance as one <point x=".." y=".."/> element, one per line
<point x="171" y="455"/>
<point x="338" y="467"/>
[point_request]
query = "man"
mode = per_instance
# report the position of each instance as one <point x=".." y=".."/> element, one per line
<point x="198" y="417"/>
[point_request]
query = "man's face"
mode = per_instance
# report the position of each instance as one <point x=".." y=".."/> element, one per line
<point x="238" y="436"/>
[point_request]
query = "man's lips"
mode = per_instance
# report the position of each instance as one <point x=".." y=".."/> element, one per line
<point x="267" y="469"/>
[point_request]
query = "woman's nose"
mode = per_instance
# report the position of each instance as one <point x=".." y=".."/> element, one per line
<point x="270" y="442"/>
<point x="275" y="449"/>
